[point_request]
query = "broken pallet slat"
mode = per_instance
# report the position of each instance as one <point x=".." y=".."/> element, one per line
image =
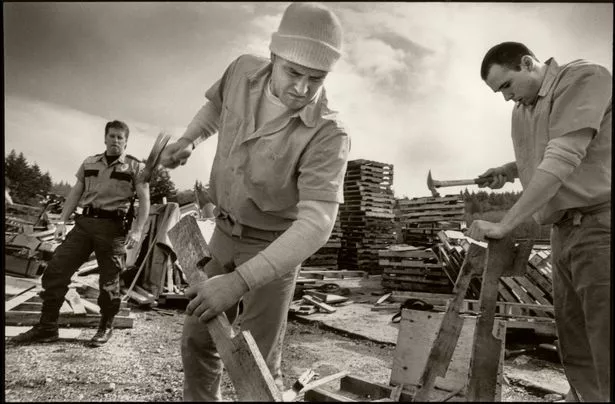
<point x="32" y="318"/>
<point x="321" y="305"/>
<point x="17" y="300"/>
<point x="73" y="298"/>
<point x="240" y="354"/>
<point x="14" y="286"/>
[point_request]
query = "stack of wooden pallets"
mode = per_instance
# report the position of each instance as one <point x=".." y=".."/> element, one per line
<point x="327" y="256"/>
<point x="367" y="216"/>
<point x="413" y="269"/>
<point x="422" y="218"/>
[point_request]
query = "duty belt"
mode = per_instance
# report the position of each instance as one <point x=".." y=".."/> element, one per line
<point x="89" y="211"/>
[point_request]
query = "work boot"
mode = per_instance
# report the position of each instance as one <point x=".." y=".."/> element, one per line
<point x="105" y="330"/>
<point x="38" y="333"/>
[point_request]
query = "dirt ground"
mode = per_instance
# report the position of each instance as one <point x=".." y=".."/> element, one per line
<point x="143" y="364"/>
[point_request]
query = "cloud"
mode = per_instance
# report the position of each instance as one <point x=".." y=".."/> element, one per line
<point x="59" y="138"/>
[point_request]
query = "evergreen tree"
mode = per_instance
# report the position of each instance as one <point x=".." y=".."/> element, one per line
<point x="161" y="186"/>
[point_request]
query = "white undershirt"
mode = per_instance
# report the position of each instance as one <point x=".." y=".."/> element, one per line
<point x="270" y="108"/>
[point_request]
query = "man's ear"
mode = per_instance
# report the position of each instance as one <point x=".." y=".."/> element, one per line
<point x="527" y="62"/>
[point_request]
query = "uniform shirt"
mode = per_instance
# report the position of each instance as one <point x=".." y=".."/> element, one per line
<point x="259" y="176"/>
<point x="574" y="96"/>
<point x="109" y="187"/>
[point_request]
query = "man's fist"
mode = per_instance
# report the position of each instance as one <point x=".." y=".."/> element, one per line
<point x="495" y="178"/>
<point x="176" y="154"/>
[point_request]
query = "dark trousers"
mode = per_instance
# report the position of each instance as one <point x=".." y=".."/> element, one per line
<point x="582" y="300"/>
<point x="106" y="238"/>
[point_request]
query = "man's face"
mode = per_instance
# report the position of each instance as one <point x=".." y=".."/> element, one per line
<point x="293" y="84"/>
<point x="115" y="140"/>
<point x="520" y="86"/>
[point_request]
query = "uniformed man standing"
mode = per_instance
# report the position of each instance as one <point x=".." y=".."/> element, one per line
<point x="106" y="185"/>
<point x="276" y="181"/>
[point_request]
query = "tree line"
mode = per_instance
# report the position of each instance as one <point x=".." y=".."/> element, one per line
<point x="28" y="185"/>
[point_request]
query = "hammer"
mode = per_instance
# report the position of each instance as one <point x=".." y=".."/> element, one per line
<point x="433" y="184"/>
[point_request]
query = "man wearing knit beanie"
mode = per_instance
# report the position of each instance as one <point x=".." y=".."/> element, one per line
<point x="276" y="181"/>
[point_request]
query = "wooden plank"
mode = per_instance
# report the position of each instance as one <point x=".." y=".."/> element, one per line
<point x="26" y="318"/>
<point x="90" y="307"/>
<point x="444" y="344"/>
<point x="15" y="286"/>
<point x="334" y="274"/>
<point x="367" y="389"/>
<point x="324" y="380"/>
<point x="72" y="297"/>
<point x="65" y="308"/>
<point x="502" y="258"/>
<point x="137" y="297"/>
<point x="151" y="298"/>
<point x="240" y="354"/>
<point x="64" y="333"/>
<point x="321" y="305"/>
<point x="19" y="299"/>
<point x="417" y="334"/>
<point x="320" y="395"/>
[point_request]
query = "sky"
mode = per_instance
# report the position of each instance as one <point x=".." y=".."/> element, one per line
<point x="407" y="88"/>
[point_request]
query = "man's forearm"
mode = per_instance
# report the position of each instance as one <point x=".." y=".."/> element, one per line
<point x="71" y="203"/>
<point x="204" y="125"/>
<point x="541" y="189"/>
<point x="307" y="234"/>
<point x="144" y="206"/>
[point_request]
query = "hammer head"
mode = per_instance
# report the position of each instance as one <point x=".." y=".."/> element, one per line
<point x="432" y="186"/>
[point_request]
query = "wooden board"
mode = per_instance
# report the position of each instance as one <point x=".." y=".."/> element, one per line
<point x="29" y="318"/>
<point x="65" y="333"/>
<point x="72" y="297"/>
<point x="15" y="286"/>
<point x="417" y="332"/>
<point x="19" y="299"/>
<point x="240" y="354"/>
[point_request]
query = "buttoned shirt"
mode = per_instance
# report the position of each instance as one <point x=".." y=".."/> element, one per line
<point x="109" y="186"/>
<point x="573" y="96"/>
<point x="259" y="176"/>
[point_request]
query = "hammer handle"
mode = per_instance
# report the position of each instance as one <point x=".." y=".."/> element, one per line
<point x="454" y="183"/>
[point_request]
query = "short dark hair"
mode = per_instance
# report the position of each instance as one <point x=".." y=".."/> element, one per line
<point x="117" y="125"/>
<point x="507" y="54"/>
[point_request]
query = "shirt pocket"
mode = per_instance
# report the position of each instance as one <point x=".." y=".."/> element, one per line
<point x="90" y="177"/>
<point x="230" y="122"/>
<point x="122" y="183"/>
<point x="271" y="180"/>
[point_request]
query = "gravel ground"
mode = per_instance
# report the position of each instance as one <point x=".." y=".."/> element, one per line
<point x="143" y="363"/>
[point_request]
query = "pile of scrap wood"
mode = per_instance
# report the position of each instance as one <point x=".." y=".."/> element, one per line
<point x="153" y="261"/>
<point x="367" y="216"/>
<point x="327" y="256"/>
<point x="23" y="305"/>
<point x="422" y="218"/>
<point x="314" y="300"/>
<point x="27" y="254"/>
<point x="413" y="268"/>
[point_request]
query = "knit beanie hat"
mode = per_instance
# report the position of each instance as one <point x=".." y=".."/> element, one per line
<point x="309" y="35"/>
